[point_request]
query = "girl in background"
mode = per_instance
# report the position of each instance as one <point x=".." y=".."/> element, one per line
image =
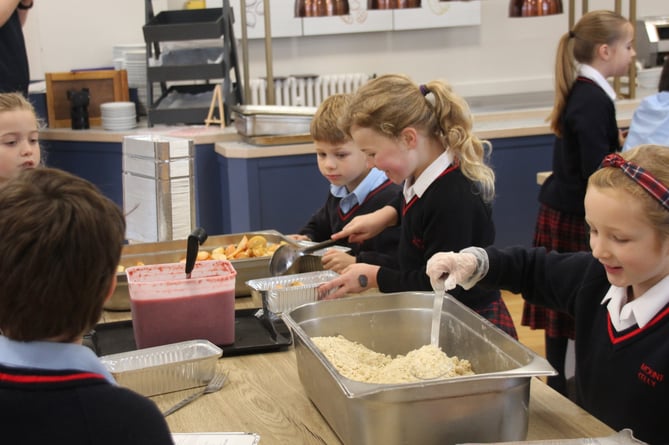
<point x="422" y="136"/>
<point x="618" y="294"/>
<point x="19" y="135"/>
<point x="584" y="122"/>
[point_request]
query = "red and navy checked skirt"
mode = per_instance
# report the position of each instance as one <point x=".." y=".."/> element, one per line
<point x="498" y="314"/>
<point x="565" y="233"/>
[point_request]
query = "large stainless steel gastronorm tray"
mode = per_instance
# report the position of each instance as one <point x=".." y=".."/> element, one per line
<point x="174" y="251"/>
<point x="491" y="406"/>
<point x="259" y="120"/>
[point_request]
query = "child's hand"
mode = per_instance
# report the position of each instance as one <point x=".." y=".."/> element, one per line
<point x="336" y="260"/>
<point x="367" y="226"/>
<point x="448" y="269"/>
<point x="355" y="278"/>
<point x="359" y="229"/>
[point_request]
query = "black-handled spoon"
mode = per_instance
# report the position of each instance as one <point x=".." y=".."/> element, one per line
<point x="195" y="239"/>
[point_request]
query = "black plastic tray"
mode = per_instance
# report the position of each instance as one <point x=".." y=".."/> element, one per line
<point x="187" y="24"/>
<point x="191" y="115"/>
<point x="252" y="335"/>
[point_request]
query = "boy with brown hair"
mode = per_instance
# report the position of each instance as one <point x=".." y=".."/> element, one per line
<point x="61" y="242"/>
<point x="356" y="188"/>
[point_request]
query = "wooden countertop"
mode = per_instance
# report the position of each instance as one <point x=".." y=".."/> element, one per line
<point x="264" y="395"/>
<point x="199" y="133"/>
<point x="487" y="125"/>
<point x="490" y="125"/>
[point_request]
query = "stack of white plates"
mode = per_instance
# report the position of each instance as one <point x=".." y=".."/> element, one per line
<point x="119" y="49"/>
<point x="132" y="58"/>
<point x="118" y="115"/>
<point x="135" y="64"/>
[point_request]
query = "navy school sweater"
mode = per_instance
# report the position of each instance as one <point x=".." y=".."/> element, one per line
<point x="72" y="407"/>
<point x="380" y="250"/>
<point x="622" y="378"/>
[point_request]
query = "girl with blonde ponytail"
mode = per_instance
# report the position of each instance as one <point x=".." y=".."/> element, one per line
<point x="421" y="136"/>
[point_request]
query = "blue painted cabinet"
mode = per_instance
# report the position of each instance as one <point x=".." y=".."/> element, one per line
<point x="98" y="162"/>
<point x="102" y="164"/>
<point x="282" y="192"/>
<point x="279" y="193"/>
<point x="516" y="162"/>
<point x="235" y="195"/>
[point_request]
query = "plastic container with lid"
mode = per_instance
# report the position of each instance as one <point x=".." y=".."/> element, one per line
<point x="167" y="307"/>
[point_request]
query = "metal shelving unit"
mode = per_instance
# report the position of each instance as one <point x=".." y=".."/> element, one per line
<point x="184" y="25"/>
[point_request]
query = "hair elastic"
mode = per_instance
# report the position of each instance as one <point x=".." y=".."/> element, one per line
<point x="571" y="34"/>
<point x="647" y="181"/>
<point x="424" y="89"/>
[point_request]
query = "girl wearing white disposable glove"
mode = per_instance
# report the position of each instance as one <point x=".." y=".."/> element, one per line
<point x="618" y="294"/>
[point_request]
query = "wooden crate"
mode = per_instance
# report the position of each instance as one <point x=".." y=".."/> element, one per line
<point x="103" y="85"/>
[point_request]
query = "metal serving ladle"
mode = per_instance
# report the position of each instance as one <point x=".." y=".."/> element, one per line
<point x="285" y="256"/>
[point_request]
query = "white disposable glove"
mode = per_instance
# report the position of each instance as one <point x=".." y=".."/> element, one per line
<point x="448" y="269"/>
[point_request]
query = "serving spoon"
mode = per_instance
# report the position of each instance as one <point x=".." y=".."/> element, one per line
<point x="285" y="256"/>
<point x="195" y="239"/>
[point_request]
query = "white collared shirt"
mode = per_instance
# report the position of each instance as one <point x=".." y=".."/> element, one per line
<point x="374" y="178"/>
<point x="596" y="76"/>
<point x="641" y="310"/>
<point x="432" y="172"/>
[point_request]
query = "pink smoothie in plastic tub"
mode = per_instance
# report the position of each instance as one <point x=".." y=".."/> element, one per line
<point x="167" y="307"/>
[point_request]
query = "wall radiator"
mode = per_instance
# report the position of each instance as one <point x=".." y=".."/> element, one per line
<point x="305" y="91"/>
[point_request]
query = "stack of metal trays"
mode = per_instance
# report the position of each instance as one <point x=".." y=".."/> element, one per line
<point x="286" y="124"/>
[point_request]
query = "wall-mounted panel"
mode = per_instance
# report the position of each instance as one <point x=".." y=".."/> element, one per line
<point x="283" y="21"/>
<point x="438" y="14"/>
<point x="359" y="19"/>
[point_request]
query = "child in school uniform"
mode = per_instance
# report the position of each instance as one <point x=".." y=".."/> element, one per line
<point x="61" y="242"/>
<point x="19" y="135"/>
<point x="618" y="293"/>
<point x="422" y="136"/>
<point x="356" y="188"/>
<point x="584" y="122"/>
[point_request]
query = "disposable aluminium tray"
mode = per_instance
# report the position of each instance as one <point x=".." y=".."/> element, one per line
<point x="166" y="368"/>
<point x="283" y="293"/>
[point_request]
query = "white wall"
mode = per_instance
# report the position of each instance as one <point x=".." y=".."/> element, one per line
<point x="501" y="56"/>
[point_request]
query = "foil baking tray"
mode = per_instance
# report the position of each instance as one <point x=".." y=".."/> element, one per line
<point x="174" y="251"/>
<point x="286" y="292"/>
<point x="491" y="406"/>
<point x="166" y="368"/>
<point x="261" y="120"/>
